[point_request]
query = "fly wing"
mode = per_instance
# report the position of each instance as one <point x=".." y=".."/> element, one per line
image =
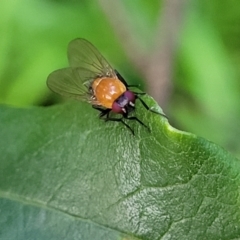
<point x="68" y="82"/>
<point x="86" y="64"/>
<point x="82" y="53"/>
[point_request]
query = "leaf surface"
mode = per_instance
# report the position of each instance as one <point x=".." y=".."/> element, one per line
<point x="66" y="174"/>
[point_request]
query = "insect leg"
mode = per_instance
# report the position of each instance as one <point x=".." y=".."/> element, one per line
<point x="121" y="78"/>
<point x="138" y="120"/>
<point x="149" y="109"/>
<point x="138" y="93"/>
<point x="119" y="120"/>
<point x="103" y="112"/>
<point x="97" y="108"/>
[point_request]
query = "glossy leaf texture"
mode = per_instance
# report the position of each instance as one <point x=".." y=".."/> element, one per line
<point x="65" y="174"/>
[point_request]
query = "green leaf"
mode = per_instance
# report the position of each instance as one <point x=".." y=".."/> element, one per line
<point x="65" y="174"/>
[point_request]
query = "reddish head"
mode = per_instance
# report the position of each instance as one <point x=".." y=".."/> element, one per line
<point x="125" y="103"/>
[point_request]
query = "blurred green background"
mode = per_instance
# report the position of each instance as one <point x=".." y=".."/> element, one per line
<point x="194" y="44"/>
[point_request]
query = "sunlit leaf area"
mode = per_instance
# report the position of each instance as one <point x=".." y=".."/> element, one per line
<point x="66" y="174"/>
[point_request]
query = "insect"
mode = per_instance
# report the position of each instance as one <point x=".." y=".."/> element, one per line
<point x="91" y="78"/>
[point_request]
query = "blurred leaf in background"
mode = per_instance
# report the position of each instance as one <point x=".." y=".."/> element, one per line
<point x="206" y="99"/>
<point x="203" y="84"/>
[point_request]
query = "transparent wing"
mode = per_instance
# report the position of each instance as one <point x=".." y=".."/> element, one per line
<point x="68" y="82"/>
<point x="86" y="64"/>
<point x="82" y="53"/>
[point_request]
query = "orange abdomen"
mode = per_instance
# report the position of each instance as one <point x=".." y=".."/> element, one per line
<point x="107" y="90"/>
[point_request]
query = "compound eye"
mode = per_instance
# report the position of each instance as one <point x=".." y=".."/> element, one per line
<point x="130" y="96"/>
<point x="116" y="107"/>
